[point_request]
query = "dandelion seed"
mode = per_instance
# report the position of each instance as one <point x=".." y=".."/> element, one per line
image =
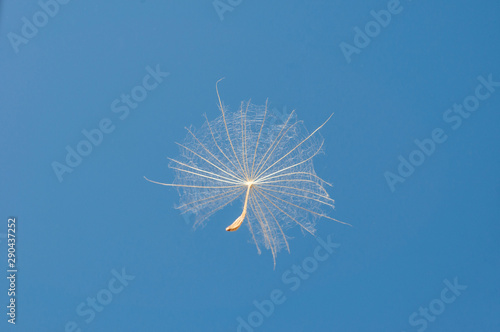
<point x="265" y="161"/>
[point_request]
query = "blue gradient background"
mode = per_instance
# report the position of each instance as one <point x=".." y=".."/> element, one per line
<point x="441" y="223"/>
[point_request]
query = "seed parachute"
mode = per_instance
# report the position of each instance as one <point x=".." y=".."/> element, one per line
<point x="253" y="156"/>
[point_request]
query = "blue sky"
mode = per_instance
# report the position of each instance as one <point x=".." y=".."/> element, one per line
<point x="423" y="252"/>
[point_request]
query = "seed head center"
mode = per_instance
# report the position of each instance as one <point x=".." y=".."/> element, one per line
<point x="249" y="183"/>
